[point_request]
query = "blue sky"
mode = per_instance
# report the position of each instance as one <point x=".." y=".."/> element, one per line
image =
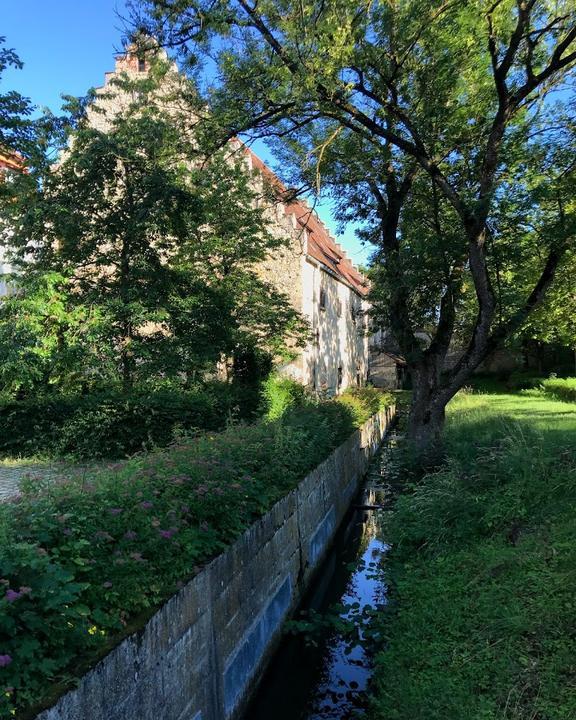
<point x="67" y="46"/>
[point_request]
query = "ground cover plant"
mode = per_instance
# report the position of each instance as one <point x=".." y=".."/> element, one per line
<point x="85" y="561"/>
<point x="483" y="570"/>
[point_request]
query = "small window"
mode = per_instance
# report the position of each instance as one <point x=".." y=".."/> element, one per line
<point x="339" y="377"/>
<point x="322" y="303"/>
<point x="141" y="64"/>
<point x="317" y="337"/>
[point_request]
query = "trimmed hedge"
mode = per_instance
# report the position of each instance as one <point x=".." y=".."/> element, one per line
<point x="82" y="561"/>
<point x="113" y="425"/>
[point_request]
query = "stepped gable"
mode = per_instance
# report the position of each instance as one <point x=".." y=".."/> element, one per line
<point x="321" y="246"/>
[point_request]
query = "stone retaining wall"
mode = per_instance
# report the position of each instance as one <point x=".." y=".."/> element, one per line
<point x="199" y="656"/>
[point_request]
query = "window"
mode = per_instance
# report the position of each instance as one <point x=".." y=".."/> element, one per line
<point x="339" y="377"/>
<point x="322" y="302"/>
<point x="141" y="64"/>
<point x="317" y="337"/>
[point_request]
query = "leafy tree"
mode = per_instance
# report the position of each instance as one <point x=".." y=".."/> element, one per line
<point x="156" y="243"/>
<point x="47" y="340"/>
<point x="423" y="114"/>
<point x="14" y="108"/>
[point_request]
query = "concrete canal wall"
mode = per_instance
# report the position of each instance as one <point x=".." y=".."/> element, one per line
<point x="199" y="656"/>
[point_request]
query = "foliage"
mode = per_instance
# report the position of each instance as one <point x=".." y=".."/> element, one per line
<point x="15" y="109"/>
<point x="82" y="560"/>
<point x="281" y="394"/>
<point x="482" y="571"/>
<point x="364" y="402"/>
<point x="444" y="129"/>
<point x="113" y="425"/>
<point x="48" y="339"/>
<point x="150" y="246"/>
<point x="560" y="389"/>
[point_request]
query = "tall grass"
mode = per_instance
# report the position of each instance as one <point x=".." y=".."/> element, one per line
<point x="483" y="571"/>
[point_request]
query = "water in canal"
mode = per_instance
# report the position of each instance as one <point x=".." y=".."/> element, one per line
<point x="328" y="679"/>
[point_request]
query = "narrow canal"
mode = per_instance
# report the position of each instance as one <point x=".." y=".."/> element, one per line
<point x="324" y="672"/>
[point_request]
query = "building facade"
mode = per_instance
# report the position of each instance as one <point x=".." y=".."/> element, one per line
<point x="10" y="162"/>
<point x="324" y="286"/>
<point x="310" y="268"/>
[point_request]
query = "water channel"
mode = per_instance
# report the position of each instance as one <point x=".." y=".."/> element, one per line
<point x="328" y="678"/>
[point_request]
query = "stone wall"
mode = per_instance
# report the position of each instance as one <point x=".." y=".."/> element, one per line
<point x="200" y="655"/>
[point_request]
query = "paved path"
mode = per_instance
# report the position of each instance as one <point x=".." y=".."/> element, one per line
<point x="11" y="475"/>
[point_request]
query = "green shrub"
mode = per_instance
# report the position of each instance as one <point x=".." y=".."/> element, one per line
<point x="562" y="389"/>
<point x="364" y="402"/>
<point x="81" y="559"/>
<point x="114" y="425"/>
<point x="281" y="394"/>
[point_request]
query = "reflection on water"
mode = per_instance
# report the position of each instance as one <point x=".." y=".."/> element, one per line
<point x="327" y="679"/>
<point x="346" y="671"/>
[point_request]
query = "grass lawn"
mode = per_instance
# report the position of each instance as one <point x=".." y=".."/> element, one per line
<point x="483" y="571"/>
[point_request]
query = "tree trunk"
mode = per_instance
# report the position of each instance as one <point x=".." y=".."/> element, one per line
<point x="428" y="408"/>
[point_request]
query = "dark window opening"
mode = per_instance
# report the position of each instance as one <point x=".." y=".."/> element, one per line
<point x="141" y="64"/>
<point x="317" y="337"/>
<point x="322" y="302"/>
<point x="339" y="377"/>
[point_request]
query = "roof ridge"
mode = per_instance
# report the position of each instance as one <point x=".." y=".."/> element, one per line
<point x="327" y="244"/>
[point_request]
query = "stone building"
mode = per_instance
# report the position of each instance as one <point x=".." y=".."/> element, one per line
<point x="10" y="162"/>
<point x="324" y="286"/>
<point x="311" y="269"/>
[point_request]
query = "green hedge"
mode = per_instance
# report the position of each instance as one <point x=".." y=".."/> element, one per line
<point x="114" y="425"/>
<point x="82" y="561"/>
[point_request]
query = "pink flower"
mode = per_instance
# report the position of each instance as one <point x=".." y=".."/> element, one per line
<point x="12" y="595"/>
<point x="146" y="504"/>
<point x="103" y="535"/>
<point x="167" y="533"/>
<point x="115" y="511"/>
<point x="5" y="660"/>
<point x="25" y="590"/>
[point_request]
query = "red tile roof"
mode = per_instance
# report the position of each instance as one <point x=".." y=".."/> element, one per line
<point x="321" y="246"/>
<point x="10" y="160"/>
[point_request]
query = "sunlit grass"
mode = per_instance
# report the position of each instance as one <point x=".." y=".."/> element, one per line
<point x="483" y="570"/>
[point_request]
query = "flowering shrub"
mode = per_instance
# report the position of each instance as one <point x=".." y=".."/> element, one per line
<point x="84" y="561"/>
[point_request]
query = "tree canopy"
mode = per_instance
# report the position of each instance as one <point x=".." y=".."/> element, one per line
<point x="147" y="248"/>
<point x="436" y="124"/>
